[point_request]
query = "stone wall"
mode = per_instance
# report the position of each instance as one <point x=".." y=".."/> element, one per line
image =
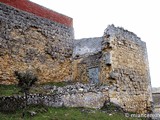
<point x="45" y="47"/>
<point x="119" y="60"/>
<point x="156" y="99"/>
<point x="86" y="57"/>
<point x="78" y="95"/>
<point x="31" y="42"/>
<point x="156" y="102"/>
<point x="86" y="46"/>
<point x="126" y="62"/>
<point x="28" y="6"/>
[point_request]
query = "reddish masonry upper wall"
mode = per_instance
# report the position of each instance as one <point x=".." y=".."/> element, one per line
<point x="38" y="10"/>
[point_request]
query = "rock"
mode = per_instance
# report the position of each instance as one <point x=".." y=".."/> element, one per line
<point x="89" y="100"/>
<point x="80" y="89"/>
<point x="32" y="113"/>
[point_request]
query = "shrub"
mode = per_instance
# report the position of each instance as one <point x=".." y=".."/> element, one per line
<point x="25" y="82"/>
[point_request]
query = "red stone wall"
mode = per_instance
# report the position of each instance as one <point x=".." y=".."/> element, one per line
<point x="38" y="10"/>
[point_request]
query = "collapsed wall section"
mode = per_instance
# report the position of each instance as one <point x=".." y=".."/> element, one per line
<point x="29" y="42"/>
<point x="126" y="59"/>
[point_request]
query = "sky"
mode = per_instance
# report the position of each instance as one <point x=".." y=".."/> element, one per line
<point x="91" y="18"/>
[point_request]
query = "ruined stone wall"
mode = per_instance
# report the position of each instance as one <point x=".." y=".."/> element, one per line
<point x="77" y="95"/>
<point x="118" y="59"/>
<point x="86" y="55"/>
<point x="156" y="99"/>
<point x="29" y="42"/>
<point x="156" y="102"/>
<point x="125" y="57"/>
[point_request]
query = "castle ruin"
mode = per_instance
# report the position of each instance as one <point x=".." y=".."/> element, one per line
<point x="35" y="38"/>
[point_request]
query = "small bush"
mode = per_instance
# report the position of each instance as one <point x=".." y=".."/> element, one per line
<point x="25" y="80"/>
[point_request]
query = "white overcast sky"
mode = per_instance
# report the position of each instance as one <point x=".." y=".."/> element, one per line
<point x="91" y="17"/>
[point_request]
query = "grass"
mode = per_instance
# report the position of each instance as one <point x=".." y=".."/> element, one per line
<point x="60" y="84"/>
<point x="7" y="90"/>
<point x="49" y="113"/>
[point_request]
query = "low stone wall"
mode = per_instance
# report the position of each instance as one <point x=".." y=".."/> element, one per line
<point x="78" y="95"/>
<point x="11" y="103"/>
<point x="156" y="102"/>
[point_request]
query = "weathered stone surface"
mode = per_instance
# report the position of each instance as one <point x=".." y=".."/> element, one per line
<point x="34" y="43"/>
<point x="82" y="66"/>
<point x="86" y="46"/>
<point x="156" y="100"/>
<point x="123" y="66"/>
<point x="78" y="95"/>
<point x="119" y="58"/>
<point x="128" y="75"/>
<point x="89" y="100"/>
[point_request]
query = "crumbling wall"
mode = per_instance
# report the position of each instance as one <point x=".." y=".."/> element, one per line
<point x="156" y="99"/>
<point x="77" y="95"/>
<point x="156" y="103"/>
<point x="86" y="56"/>
<point x="118" y="59"/>
<point x="86" y="46"/>
<point x="31" y="42"/>
<point x="126" y="61"/>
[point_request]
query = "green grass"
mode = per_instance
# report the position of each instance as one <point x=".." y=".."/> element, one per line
<point x="49" y="113"/>
<point x="7" y="90"/>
